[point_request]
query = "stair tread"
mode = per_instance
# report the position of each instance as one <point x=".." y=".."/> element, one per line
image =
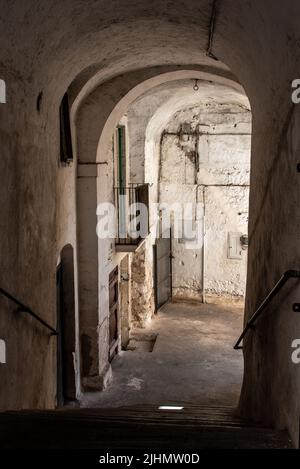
<point x="203" y="427"/>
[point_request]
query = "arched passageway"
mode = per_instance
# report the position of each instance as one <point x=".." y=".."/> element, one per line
<point x="82" y="48"/>
<point x="210" y="131"/>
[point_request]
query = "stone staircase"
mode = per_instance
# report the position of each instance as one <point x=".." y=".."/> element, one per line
<point x="145" y="427"/>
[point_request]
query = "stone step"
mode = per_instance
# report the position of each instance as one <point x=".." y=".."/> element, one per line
<point x="194" y="427"/>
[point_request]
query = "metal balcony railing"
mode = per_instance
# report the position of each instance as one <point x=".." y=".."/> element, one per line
<point x="132" y="215"/>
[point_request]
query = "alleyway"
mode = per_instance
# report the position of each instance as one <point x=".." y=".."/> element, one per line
<point x="192" y="360"/>
<point x="149" y="151"/>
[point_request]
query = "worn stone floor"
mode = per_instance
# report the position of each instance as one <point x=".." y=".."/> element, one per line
<point x="192" y="361"/>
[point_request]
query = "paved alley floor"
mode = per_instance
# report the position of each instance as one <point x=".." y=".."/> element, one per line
<point x="192" y="360"/>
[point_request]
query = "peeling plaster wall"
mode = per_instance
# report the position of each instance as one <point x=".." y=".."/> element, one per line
<point x="226" y="210"/>
<point x="142" y="299"/>
<point x="205" y="158"/>
<point x="147" y="117"/>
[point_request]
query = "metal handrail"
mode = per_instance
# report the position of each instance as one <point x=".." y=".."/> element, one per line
<point x="25" y="309"/>
<point x="250" y="323"/>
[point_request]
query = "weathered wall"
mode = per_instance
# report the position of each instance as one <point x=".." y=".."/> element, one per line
<point x="187" y="135"/>
<point x="205" y="159"/>
<point x="226" y="210"/>
<point x="142" y="292"/>
<point x="27" y="245"/>
<point x="275" y="234"/>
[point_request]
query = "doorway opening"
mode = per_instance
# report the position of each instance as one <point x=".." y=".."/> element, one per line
<point x="66" y="385"/>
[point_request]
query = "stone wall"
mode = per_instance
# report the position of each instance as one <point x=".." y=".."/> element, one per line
<point x="205" y="159"/>
<point x="142" y="299"/>
<point x="166" y="138"/>
<point x="275" y="248"/>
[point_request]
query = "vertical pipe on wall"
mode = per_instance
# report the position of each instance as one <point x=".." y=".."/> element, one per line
<point x="204" y="245"/>
<point x="203" y="236"/>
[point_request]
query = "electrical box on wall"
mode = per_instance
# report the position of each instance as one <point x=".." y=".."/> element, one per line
<point x="2" y="351"/>
<point x="234" y="246"/>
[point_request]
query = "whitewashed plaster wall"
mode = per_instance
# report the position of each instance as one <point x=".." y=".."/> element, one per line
<point x="205" y="158"/>
<point x="148" y="115"/>
<point x="224" y="159"/>
<point x="108" y="259"/>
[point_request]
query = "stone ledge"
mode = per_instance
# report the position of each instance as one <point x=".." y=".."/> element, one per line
<point x="99" y="382"/>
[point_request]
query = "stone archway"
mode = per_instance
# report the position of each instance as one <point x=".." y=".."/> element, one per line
<point x="94" y="132"/>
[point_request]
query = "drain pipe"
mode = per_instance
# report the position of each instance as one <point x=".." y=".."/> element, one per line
<point x="203" y="237"/>
<point x="204" y="245"/>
